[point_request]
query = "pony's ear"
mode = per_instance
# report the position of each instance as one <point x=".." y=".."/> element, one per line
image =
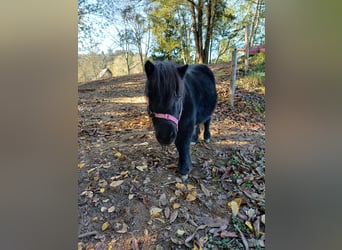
<point x="149" y="68"/>
<point x="182" y="70"/>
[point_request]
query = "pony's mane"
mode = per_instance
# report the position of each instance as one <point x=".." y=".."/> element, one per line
<point x="165" y="83"/>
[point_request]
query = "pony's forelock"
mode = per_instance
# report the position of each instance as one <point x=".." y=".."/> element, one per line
<point x="165" y="83"/>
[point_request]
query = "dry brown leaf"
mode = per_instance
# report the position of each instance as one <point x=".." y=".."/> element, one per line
<point x="263" y="219"/>
<point x="205" y="190"/>
<point x="180" y="232"/>
<point x="180" y="186"/>
<point x="178" y="192"/>
<point x="119" y="155"/>
<point x="124" y="173"/>
<point x="173" y="216"/>
<point x="91" y="170"/>
<point x="226" y="234"/>
<point x="89" y="194"/>
<point x="244" y="240"/>
<point x="116" y="183"/>
<point x="102" y="183"/>
<point x="105" y="226"/>
<point x="123" y="229"/>
<point x="163" y="199"/>
<point x="167" y="212"/>
<point x="175" y="205"/>
<point x="256" y="225"/>
<point x="141" y="168"/>
<point x="249" y="225"/>
<point x="191" y="196"/>
<point x="190" y="237"/>
<point x="172" y="165"/>
<point x="111" y="209"/>
<point x="155" y="211"/>
<point x="234" y="205"/>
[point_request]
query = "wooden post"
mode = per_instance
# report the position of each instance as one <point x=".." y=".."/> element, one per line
<point x="246" y="48"/>
<point x="232" y="86"/>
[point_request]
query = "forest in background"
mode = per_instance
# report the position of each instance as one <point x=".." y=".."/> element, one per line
<point x="184" y="31"/>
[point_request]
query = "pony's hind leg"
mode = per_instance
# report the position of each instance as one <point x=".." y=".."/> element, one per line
<point x="206" y="133"/>
<point x="194" y="138"/>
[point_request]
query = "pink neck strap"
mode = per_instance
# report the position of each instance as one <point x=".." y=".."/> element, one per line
<point x="169" y="117"/>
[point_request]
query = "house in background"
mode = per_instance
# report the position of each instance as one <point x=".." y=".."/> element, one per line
<point x="104" y="74"/>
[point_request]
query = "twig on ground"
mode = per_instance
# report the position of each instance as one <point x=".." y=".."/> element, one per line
<point x="87" y="234"/>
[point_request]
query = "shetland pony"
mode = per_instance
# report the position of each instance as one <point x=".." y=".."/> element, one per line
<point x="180" y="98"/>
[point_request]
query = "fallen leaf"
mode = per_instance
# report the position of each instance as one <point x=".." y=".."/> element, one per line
<point x="130" y="196"/>
<point x="178" y="192"/>
<point x="161" y="220"/>
<point x="226" y="234"/>
<point x="251" y="213"/>
<point x="234" y="205"/>
<point x="256" y="226"/>
<point x="171" y="166"/>
<point x="175" y="205"/>
<point x="249" y="225"/>
<point x="263" y="219"/>
<point x="91" y="170"/>
<point x="107" y="165"/>
<point x="167" y="212"/>
<point x="134" y="244"/>
<point x="205" y="190"/>
<point x="173" y="198"/>
<point x="102" y="183"/>
<point x="178" y="179"/>
<point x="191" y="196"/>
<point x="180" y="232"/>
<point x="111" y="209"/>
<point x="103" y="209"/>
<point x="105" y="226"/>
<point x="123" y="229"/>
<point x="163" y="199"/>
<point x="119" y="155"/>
<point x="102" y="190"/>
<point x="87" y="193"/>
<point x="116" y="183"/>
<point x="81" y="165"/>
<point x="243" y="238"/>
<point x="155" y="211"/>
<point x="180" y="186"/>
<point x="141" y="168"/>
<point x="173" y="216"/>
<point x="190" y="187"/>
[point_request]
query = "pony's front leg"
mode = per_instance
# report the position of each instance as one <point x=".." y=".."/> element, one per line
<point x="183" y="147"/>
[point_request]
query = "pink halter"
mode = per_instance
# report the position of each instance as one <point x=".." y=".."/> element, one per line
<point x="169" y="117"/>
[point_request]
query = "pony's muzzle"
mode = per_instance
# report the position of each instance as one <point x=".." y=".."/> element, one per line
<point x="166" y="133"/>
<point x="166" y="138"/>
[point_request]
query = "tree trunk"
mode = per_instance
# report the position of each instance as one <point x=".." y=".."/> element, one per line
<point x="255" y="23"/>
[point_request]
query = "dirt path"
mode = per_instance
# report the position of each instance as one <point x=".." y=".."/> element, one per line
<point x="129" y="194"/>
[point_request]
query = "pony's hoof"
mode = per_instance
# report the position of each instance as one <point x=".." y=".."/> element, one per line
<point x="184" y="177"/>
<point x="193" y="143"/>
<point x="207" y="140"/>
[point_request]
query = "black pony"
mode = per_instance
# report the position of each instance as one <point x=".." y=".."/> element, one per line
<point x="180" y="98"/>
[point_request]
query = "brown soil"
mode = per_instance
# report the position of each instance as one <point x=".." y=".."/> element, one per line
<point x="129" y="194"/>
